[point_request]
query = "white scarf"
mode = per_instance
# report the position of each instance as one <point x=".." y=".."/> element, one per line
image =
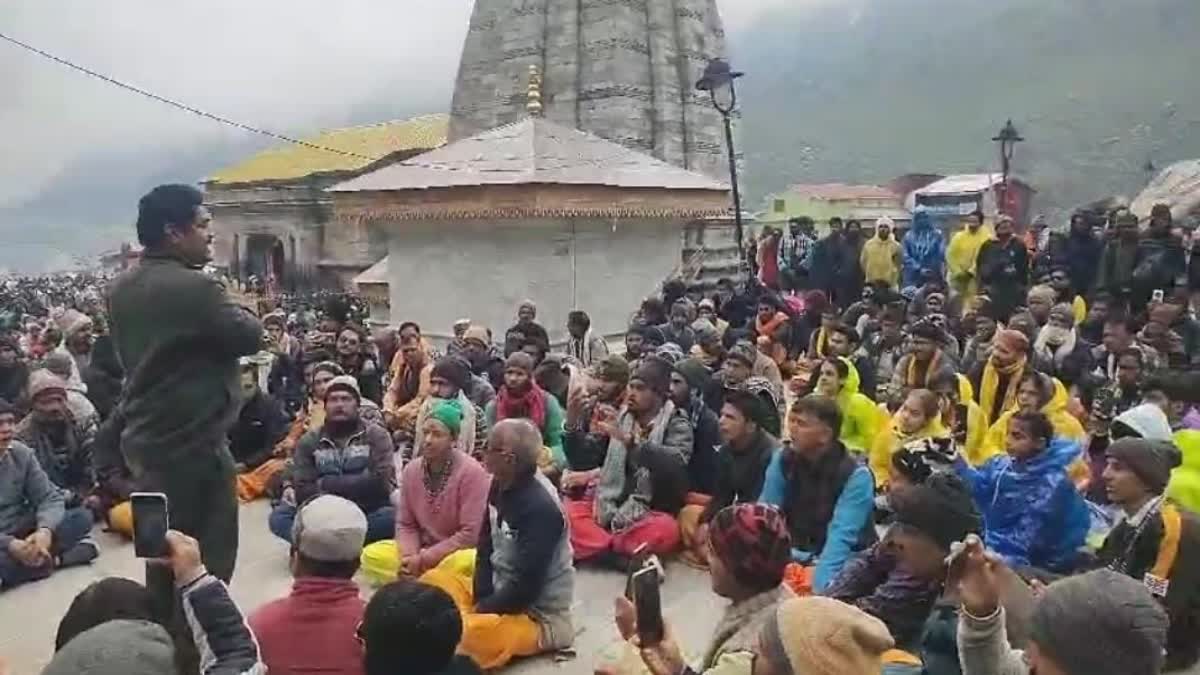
<point x="1058" y="354"/>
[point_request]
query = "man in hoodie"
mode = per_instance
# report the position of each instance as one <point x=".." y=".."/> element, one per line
<point x="1146" y="421"/>
<point x="1003" y="265"/>
<point x="313" y="628"/>
<point x="1081" y="254"/>
<point x="924" y="250"/>
<point x="1120" y="258"/>
<point x="880" y="259"/>
<point x="1155" y="541"/>
<point x="962" y="253"/>
<point x="1160" y="262"/>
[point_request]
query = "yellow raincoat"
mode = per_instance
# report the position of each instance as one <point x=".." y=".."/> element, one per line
<point x="880" y="260"/>
<point x="890" y="439"/>
<point x="961" y="255"/>
<point x="1184" y="488"/>
<point x="977" y="427"/>
<point x="860" y="417"/>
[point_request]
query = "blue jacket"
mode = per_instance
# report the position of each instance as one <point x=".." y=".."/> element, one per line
<point x="1032" y="513"/>
<point x="854" y="508"/>
<point x="923" y="248"/>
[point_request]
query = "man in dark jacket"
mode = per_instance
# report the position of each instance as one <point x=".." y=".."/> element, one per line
<point x="1081" y="254"/>
<point x="690" y="381"/>
<point x="1155" y="542"/>
<point x="583" y="441"/>
<point x="346" y="457"/>
<point x="1120" y="258"/>
<point x="1160" y="263"/>
<point x="260" y="425"/>
<point x="1004" y="268"/>
<point x="178" y="336"/>
<point x="835" y="266"/>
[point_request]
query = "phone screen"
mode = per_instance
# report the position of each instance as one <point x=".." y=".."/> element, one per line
<point x="150" y="524"/>
<point x="649" y="606"/>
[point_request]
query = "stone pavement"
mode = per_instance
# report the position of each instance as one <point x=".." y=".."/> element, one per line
<point x="29" y="615"/>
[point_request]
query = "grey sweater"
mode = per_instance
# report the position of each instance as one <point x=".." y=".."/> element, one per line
<point x="983" y="647"/>
<point x="26" y="494"/>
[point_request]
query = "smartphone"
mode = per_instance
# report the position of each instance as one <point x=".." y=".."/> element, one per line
<point x="960" y="420"/>
<point x="637" y="562"/>
<point x="1157" y="296"/>
<point x="648" y="603"/>
<point x="150" y="524"/>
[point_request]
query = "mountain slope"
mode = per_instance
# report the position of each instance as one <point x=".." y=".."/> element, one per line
<point x="865" y="91"/>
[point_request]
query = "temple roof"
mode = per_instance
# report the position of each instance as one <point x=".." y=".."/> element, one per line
<point x="367" y="144"/>
<point x="531" y="151"/>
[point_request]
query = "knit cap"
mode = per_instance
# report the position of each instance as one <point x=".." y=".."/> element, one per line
<point x="656" y="373"/>
<point x="823" y="636"/>
<point x="612" y="368"/>
<point x="1064" y="313"/>
<point x="940" y="508"/>
<point x="698" y="376"/>
<point x="330" y="529"/>
<point x="449" y="412"/>
<point x="454" y="370"/>
<point x="344" y="383"/>
<point x="116" y="648"/>
<point x="753" y="542"/>
<point x="477" y="334"/>
<point x="43" y="381"/>
<point x="745" y="352"/>
<point x="1150" y="461"/>
<point x="1101" y="623"/>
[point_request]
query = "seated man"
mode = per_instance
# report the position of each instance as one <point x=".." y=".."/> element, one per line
<point x="746" y="451"/>
<point x="449" y="381"/>
<point x="519" y="601"/>
<point x="313" y="628"/>
<point x="260" y="425"/>
<point x="413" y="628"/>
<point x="37" y="533"/>
<point x="62" y="446"/>
<point x="826" y="494"/>
<point x="83" y="410"/>
<point x="522" y="398"/>
<point x="1155" y="542"/>
<point x="690" y="381"/>
<point x="585" y="445"/>
<point x="409" y="386"/>
<point x="644" y="478"/>
<point x="318" y="374"/>
<point x="346" y="457"/>
<point x="443" y="496"/>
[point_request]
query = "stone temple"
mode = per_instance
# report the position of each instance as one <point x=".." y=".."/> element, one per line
<point x="624" y="70"/>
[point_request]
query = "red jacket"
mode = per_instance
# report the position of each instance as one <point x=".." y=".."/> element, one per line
<point x="312" y="630"/>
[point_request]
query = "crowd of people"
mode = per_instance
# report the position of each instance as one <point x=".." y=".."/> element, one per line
<point x="935" y="456"/>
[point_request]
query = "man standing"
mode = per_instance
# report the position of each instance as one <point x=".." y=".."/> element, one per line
<point x="880" y="256"/>
<point x="1120" y="258"/>
<point x="962" y="254"/>
<point x="1160" y="263"/>
<point x="1081" y="255"/>
<point x="179" y="336"/>
<point x="1004" y="268"/>
<point x="924" y="250"/>
<point x="795" y="254"/>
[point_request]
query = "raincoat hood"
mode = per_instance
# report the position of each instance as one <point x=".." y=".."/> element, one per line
<point x="966" y="392"/>
<point x="1148" y="420"/>
<point x="1058" y="400"/>
<point x="1057" y="456"/>
<point x="922" y="221"/>
<point x="860" y="417"/>
<point x="852" y="383"/>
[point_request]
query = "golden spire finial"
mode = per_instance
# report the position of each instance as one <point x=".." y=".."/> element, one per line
<point x="533" y="104"/>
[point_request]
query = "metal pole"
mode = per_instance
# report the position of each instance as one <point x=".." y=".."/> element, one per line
<point x="737" y="197"/>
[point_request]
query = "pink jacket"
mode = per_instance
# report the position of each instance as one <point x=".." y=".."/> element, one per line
<point x="438" y="526"/>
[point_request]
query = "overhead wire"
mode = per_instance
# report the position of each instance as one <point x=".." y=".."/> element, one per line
<point x="176" y="104"/>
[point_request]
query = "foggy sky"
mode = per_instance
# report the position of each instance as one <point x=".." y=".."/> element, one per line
<point x="290" y="66"/>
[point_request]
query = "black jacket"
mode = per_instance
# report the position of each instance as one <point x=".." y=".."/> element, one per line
<point x="261" y="424"/>
<point x="703" y="467"/>
<point x="1081" y="255"/>
<point x="740" y="475"/>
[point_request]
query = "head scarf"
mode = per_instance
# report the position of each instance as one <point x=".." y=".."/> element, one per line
<point x="449" y="412"/>
<point x="753" y="542"/>
<point x="1014" y="341"/>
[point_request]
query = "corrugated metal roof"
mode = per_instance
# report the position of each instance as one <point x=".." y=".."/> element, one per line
<point x="533" y="150"/>
<point x="966" y="183"/>
<point x="290" y="161"/>
<point x="841" y="191"/>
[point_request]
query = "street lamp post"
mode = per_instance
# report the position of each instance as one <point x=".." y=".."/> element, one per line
<point x="718" y="81"/>
<point x="1008" y="139"/>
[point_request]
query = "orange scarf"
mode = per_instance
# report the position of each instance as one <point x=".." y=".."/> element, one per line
<point x="767" y="329"/>
<point x="990" y="382"/>
<point x="910" y="377"/>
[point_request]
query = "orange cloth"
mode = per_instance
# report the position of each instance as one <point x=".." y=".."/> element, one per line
<point x="404" y="415"/>
<point x="491" y="640"/>
<point x="120" y="519"/>
<point x="799" y="578"/>
<point x="253" y="484"/>
<point x="767" y="328"/>
<point x="694" y="554"/>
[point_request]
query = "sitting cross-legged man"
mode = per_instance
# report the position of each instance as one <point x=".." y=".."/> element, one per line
<point x="443" y="497"/>
<point x="827" y="495"/>
<point x="644" y="479"/>
<point x="38" y="534"/>
<point x="346" y="456"/>
<point x="517" y="601"/>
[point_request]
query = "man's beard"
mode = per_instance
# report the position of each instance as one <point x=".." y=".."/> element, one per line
<point x="341" y="427"/>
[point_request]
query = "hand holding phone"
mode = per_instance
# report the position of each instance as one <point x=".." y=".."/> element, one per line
<point x="648" y="603"/>
<point x="150" y="524"/>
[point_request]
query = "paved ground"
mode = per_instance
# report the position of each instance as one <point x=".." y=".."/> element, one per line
<point x="29" y="614"/>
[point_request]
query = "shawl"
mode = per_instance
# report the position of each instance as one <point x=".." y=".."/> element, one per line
<point x="768" y="327"/>
<point x="991" y="382"/>
<point x="911" y="378"/>
<point x="819" y="341"/>
<point x="613" y="511"/>
<point x="530" y="405"/>
<point x="1056" y="355"/>
<point x="581" y="349"/>
<point x="741" y="624"/>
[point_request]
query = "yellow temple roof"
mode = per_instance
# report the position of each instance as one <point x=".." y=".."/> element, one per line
<point x="367" y="144"/>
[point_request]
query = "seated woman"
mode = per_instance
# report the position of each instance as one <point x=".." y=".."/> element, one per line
<point x="1032" y="514"/>
<point x="443" y="496"/>
<point x="860" y="416"/>
<point x="522" y="398"/>
<point x="517" y="600"/>
<point x="644" y="479"/>
<point x="919" y="417"/>
<point x="961" y="415"/>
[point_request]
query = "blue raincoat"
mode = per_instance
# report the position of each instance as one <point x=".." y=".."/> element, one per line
<point x="923" y="248"/>
<point x="1032" y="513"/>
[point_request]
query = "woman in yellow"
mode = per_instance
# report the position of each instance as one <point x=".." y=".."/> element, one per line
<point x="1036" y="392"/>
<point x="962" y="253"/>
<point x="838" y="380"/>
<point x="919" y="417"/>
<point x="961" y="415"/>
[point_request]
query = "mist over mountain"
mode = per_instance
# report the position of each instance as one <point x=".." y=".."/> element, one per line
<point x="853" y="90"/>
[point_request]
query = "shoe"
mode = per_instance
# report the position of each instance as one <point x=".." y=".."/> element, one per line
<point x="83" y="553"/>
